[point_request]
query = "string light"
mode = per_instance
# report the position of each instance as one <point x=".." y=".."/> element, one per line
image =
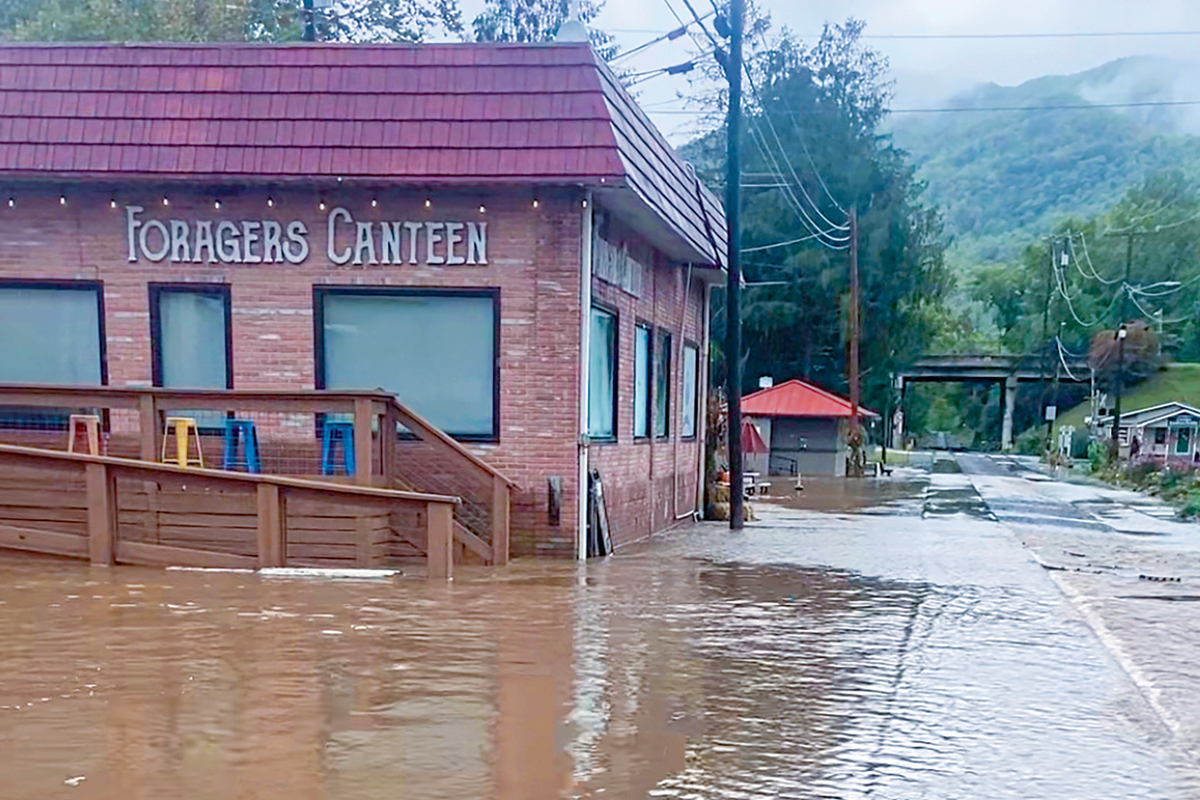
<point x="428" y="203"/>
<point x="535" y="202"/>
<point x="11" y="202"/>
<point x="339" y="178"/>
<point x="112" y="203"/>
<point x="270" y="203"/>
<point x="62" y="199"/>
<point x="585" y="203"/>
<point x="374" y="203"/>
<point x="482" y="210"/>
<point x="321" y="205"/>
<point x="166" y="202"/>
<point x="216" y="203"/>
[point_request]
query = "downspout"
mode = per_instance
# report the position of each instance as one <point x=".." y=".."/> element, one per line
<point x="702" y="419"/>
<point x="585" y="328"/>
<point x="687" y="289"/>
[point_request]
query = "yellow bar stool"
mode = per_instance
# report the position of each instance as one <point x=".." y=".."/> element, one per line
<point x="185" y="431"/>
<point x="87" y="424"/>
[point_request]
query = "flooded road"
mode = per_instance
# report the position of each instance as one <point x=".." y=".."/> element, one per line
<point x="883" y="648"/>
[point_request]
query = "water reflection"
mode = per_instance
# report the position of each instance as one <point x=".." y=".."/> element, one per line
<point x="772" y="664"/>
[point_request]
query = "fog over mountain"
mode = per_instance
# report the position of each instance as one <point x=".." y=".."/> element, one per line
<point x="1003" y="177"/>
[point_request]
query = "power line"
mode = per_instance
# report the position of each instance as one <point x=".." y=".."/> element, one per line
<point x="980" y="109"/>
<point x="669" y="35"/>
<point x="789" y="242"/>
<point x="779" y="143"/>
<point x="1063" y="107"/>
<point x="952" y="36"/>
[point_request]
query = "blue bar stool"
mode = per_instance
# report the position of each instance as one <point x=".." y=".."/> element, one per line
<point x="241" y="446"/>
<point x="335" y="432"/>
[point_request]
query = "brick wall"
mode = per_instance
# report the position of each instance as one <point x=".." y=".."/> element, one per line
<point x="533" y="255"/>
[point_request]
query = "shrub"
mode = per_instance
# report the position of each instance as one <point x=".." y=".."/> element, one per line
<point x="1191" y="507"/>
<point x="1142" y="470"/>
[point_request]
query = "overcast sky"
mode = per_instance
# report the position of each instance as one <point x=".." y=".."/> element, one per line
<point x="925" y="70"/>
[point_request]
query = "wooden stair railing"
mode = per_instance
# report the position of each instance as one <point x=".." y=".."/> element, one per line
<point x="490" y="487"/>
<point x="103" y="543"/>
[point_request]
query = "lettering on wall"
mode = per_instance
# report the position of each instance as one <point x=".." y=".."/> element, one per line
<point x="268" y="241"/>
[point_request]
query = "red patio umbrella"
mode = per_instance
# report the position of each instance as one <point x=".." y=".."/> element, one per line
<point x="752" y="441"/>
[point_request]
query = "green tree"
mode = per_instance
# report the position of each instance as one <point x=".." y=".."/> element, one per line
<point x="812" y="141"/>
<point x="537" y="21"/>
<point x="217" y="21"/>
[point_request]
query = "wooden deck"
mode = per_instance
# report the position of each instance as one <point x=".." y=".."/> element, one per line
<point x="415" y="493"/>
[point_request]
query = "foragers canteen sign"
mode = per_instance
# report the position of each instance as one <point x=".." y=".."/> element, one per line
<point x="267" y="241"/>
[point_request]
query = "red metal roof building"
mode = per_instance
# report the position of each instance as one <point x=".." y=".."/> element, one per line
<point x="795" y="398"/>
<point x="331" y="206"/>
<point x="804" y="427"/>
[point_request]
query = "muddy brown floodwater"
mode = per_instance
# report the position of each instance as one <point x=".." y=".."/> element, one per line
<point x="815" y="655"/>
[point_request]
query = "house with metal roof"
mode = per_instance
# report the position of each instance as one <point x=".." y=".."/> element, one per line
<point x="804" y="427"/>
<point x="495" y="233"/>
<point x="1165" y="431"/>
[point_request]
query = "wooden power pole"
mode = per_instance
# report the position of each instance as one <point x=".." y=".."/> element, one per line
<point x="856" y="436"/>
<point x="733" y="316"/>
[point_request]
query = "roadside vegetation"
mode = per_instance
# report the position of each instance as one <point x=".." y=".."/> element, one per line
<point x="1177" y="481"/>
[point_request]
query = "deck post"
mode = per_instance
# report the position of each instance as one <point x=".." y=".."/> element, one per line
<point x="101" y="513"/>
<point x="362" y="541"/>
<point x="439" y="541"/>
<point x="387" y="445"/>
<point x="501" y="513"/>
<point x="362" y="441"/>
<point x="271" y="546"/>
<point x="148" y="426"/>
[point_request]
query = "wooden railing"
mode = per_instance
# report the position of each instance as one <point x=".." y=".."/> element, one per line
<point x="117" y="510"/>
<point x="421" y="458"/>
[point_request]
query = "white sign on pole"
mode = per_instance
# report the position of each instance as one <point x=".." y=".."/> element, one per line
<point x="1051" y="413"/>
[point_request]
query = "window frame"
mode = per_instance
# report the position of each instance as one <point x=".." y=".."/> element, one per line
<point x="55" y="421"/>
<point x="320" y="291"/>
<point x="683" y="434"/>
<point x="157" y="290"/>
<point x="666" y="346"/>
<point x="642" y="325"/>
<point x="604" y="308"/>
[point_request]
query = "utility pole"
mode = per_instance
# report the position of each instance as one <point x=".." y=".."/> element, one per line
<point x="856" y="437"/>
<point x="310" y="22"/>
<point x="1045" y="340"/>
<point x="1115" y="447"/>
<point x="733" y="315"/>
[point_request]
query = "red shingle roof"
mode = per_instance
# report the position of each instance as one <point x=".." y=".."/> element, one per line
<point x="795" y="398"/>
<point x="472" y="114"/>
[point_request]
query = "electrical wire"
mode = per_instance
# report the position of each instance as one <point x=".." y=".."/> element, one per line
<point x="671" y="35"/>
<point x="779" y="143"/>
<point x="1066" y="107"/>
<point x="1061" y="358"/>
<point x="1095" y="274"/>
<point x="788" y="242"/>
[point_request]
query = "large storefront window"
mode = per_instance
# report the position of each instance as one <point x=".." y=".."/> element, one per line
<point x="602" y="375"/>
<point x="51" y="333"/>
<point x="642" y="371"/>
<point x="662" y="386"/>
<point x="190" y="335"/>
<point x="691" y="374"/>
<point x="434" y="349"/>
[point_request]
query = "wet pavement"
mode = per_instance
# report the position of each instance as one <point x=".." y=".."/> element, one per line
<point x="931" y="635"/>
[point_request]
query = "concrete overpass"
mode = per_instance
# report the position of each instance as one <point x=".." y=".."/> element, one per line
<point x="1009" y="370"/>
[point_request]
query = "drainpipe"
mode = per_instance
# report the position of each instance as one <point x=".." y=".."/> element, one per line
<point x="702" y="400"/>
<point x="585" y="328"/>
<point x="678" y="435"/>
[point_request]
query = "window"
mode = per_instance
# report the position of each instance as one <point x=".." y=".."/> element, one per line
<point x="691" y="376"/>
<point x="191" y="336"/>
<point x="662" y="386"/>
<point x="1160" y="435"/>
<point x="436" y="349"/>
<point x="52" y="333"/>
<point x="642" y="372"/>
<point x="602" y="375"/>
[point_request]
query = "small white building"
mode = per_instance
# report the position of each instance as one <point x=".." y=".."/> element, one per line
<point x="1167" y="431"/>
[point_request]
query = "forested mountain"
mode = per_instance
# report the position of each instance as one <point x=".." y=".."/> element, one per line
<point x="1003" y="177"/>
